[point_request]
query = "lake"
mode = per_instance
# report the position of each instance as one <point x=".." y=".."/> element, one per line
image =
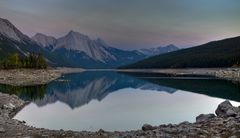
<point x="113" y="101"/>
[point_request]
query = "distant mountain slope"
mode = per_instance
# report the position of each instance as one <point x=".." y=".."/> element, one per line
<point x="82" y="43"/>
<point x="45" y="41"/>
<point x="14" y="41"/>
<point x="10" y="31"/>
<point x="222" y="53"/>
<point x="158" y="50"/>
<point x="78" y="50"/>
<point x="72" y="50"/>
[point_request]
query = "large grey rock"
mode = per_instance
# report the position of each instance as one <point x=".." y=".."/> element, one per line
<point x="147" y="127"/>
<point x="225" y="109"/>
<point x="231" y="112"/>
<point x="2" y="130"/>
<point x="204" y="117"/>
<point x="9" y="106"/>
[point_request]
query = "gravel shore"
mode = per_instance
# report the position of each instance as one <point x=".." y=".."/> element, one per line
<point x="229" y="74"/>
<point x="225" y="124"/>
<point x="222" y="73"/>
<point x="29" y="77"/>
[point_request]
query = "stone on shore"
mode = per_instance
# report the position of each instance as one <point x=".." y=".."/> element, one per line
<point x="2" y="130"/>
<point x="204" y="117"/>
<point x="147" y="127"/>
<point x="225" y="109"/>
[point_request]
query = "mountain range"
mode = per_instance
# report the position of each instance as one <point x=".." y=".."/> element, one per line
<point x="78" y="50"/>
<point x="72" y="50"/>
<point x="222" y="53"/>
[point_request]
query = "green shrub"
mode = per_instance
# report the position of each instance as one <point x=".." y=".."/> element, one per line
<point x="15" y="61"/>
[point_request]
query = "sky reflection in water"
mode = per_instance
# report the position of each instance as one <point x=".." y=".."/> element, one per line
<point x="112" y="101"/>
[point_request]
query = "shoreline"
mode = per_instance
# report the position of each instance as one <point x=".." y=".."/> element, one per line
<point x="31" y="77"/>
<point x="226" y="123"/>
<point x="223" y="124"/>
<point x="232" y="74"/>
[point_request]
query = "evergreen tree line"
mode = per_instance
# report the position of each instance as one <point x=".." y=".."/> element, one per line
<point x="223" y="53"/>
<point x="15" y="61"/>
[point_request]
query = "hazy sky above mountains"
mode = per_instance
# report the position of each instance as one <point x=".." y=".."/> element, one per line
<point x="128" y="24"/>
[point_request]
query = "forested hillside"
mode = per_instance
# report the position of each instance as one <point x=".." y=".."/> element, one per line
<point x="223" y="53"/>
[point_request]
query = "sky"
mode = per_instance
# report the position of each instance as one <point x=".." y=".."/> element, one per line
<point x="128" y="24"/>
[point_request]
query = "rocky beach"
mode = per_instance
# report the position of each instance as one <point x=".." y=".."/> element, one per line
<point x="229" y="74"/>
<point x="29" y="77"/>
<point x="232" y="74"/>
<point x="225" y="123"/>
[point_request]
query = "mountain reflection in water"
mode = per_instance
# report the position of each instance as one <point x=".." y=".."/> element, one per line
<point x="79" y="89"/>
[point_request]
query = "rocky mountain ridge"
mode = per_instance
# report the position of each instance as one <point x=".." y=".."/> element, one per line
<point x="72" y="50"/>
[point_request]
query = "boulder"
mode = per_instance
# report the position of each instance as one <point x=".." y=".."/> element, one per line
<point x="204" y="117"/>
<point x="2" y="130"/>
<point x="147" y="127"/>
<point x="9" y="106"/>
<point x="101" y="131"/>
<point x="225" y="109"/>
<point x="231" y="112"/>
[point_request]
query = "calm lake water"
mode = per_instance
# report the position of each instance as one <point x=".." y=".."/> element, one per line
<point x="112" y="101"/>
